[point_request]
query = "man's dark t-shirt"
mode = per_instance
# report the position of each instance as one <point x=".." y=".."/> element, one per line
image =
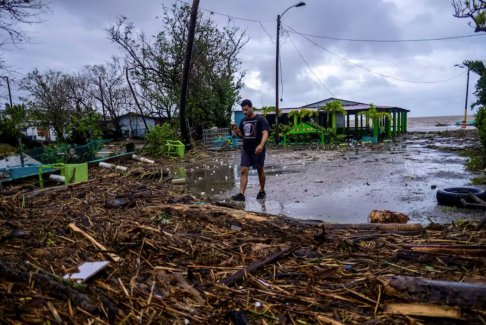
<point x="252" y="128"/>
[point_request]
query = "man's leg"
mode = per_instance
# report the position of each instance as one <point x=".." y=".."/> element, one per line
<point x="244" y="179"/>
<point x="261" y="178"/>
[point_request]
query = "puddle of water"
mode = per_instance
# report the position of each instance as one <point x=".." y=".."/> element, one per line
<point x="336" y="186"/>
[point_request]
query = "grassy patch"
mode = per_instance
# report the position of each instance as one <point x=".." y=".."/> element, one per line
<point x="480" y="180"/>
<point x="477" y="158"/>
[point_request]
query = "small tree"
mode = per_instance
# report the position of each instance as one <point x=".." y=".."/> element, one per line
<point x="331" y="109"/>
<point x="300" y="114"/>
<point x="84" y="128"/>
<point x="374" y="115"/>
<point x="157" y="138"/>
<point x="13" y="123"/>
<point x="265" y="110"/>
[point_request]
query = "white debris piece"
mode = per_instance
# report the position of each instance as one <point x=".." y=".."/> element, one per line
<point x="86" y="271"/>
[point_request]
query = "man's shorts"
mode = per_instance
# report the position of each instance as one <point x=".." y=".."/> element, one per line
<point x="249" y="158"/>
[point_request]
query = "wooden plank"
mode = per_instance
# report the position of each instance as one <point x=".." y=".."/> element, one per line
<point x="426" y="310"/>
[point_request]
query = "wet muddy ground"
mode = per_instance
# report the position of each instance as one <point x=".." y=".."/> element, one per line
<point x="344" y="185"/>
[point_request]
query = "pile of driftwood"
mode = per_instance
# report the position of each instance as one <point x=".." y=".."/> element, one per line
<point x="174" y="259"/>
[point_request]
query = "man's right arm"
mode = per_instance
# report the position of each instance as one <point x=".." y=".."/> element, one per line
<point x="238" y="131"/>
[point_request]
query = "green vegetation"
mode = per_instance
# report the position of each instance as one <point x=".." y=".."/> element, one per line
<point x="471" y="9"/>
<point x="82" y="129"/>
<point x="331" y="109"/>
<point x="12" y="124"/>
<point x="156" y="66"/>
<point x="372" y="114"/>
<point x="480" y="180"/>
<point x="157" y="138"/>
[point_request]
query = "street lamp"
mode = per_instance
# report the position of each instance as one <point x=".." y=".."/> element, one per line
<point x="464" y="122"/>
<point x="277" y="62"/>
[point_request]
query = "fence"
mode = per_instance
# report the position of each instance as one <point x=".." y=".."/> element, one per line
<point x="64" y="153"/>
<point x="219" y="139"/>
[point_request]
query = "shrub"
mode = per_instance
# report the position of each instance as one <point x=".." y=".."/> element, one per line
<point x="157" y="138"/>
<point x="480" y="124"/>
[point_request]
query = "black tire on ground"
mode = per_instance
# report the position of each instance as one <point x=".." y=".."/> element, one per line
<point x="452" y="196"/>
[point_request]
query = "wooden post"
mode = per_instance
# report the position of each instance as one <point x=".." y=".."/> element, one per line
<point x="356" y="126"/>
<point x="394" y="123"/>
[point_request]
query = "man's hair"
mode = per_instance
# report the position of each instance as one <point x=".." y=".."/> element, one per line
<point x="246" y="102"/>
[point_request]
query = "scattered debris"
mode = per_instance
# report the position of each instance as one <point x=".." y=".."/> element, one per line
<point x="387" y="216"/>
<point x="143" y="159"/>
<point x="181" y="260"/>
<point x="122" y="169"/>
<point x="178" y="181"/>
<point x="86" y="271"/>
<point x="57" y="178"/>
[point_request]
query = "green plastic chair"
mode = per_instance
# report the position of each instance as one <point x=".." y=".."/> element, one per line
<point x="175" y="147"/>
<point x="73" y="173"/>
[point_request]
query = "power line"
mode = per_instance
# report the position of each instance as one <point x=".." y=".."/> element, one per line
<point x="266" y="31"/>
<point x="446" y="38"/>
<point x="310" y="69"/>
<point x="213" y="12"/>
<point x="372" y="71"/>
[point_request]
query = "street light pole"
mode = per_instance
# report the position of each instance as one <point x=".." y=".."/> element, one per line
<point x="277" y="63"/>
<point x="464" y="123"/>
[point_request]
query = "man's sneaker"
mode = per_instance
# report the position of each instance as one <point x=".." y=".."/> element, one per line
<point x="238" y="197"/>
<point x="261" y="195"/>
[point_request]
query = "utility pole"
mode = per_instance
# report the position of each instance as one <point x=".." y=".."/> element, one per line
<point x="277" y="63"/>
<point x="9" y="92"/>
<point x="102" y="100"/>
<point x="21" y="151"/>
<point x="186" y="138"/>
<point x="462" y="66"/>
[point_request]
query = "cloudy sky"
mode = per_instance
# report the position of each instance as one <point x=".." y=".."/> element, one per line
<point x="74" y="35"/>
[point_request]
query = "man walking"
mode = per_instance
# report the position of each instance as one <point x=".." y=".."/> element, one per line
<point x="254" y="131"/>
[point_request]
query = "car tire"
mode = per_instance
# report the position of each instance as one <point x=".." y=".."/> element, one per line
<point x="452" y="196"/>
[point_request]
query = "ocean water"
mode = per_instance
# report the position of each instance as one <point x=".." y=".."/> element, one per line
<point x="428" y="124"/>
